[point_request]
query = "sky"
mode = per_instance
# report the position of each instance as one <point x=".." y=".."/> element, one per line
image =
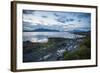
<point x="56" y="20"/>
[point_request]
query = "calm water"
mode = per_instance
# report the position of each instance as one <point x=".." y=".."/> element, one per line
<point x="43" y="36"/>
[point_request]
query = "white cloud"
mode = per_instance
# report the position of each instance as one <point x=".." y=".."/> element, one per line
<point x="39" y="20"/>
<point x="50" y="20"/>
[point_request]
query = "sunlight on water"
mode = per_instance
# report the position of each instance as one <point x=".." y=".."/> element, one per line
<point x="42" y="40"/>
<point x="43" y="36"/>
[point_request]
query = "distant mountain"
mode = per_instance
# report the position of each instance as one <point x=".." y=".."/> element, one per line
<point x="41" y="30"/>
<point x="80" y="30"/>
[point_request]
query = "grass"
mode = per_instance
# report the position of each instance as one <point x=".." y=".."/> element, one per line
<point x="83" y="51"/>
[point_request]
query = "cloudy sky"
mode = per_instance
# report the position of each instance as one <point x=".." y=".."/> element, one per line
<point x="62" y="21"/>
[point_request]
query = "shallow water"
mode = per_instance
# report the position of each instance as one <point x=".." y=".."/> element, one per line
<point x="43" y="36"/>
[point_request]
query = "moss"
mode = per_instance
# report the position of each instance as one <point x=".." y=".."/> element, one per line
<point x="70" y="56"/>
<point x="83" y="51"/>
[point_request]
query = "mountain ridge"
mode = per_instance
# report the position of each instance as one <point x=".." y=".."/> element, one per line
<point x="41" y="30"/>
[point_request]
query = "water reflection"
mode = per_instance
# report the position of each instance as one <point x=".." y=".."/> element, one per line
<point x="43" y="36"/>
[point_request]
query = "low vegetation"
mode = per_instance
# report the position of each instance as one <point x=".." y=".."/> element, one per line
<point x="83" y="51"/>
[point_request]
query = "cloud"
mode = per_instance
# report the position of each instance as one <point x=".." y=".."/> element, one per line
<point x="79" y="20"/>
<point x="55" y="20"/>
<point x="62" y="20"/>
<point x="28" y="11"/>
<point x="84" y="15"/>
<point x="56" y="15"/>
<point x="64" y="17"/>
<point x="44" y="16"/>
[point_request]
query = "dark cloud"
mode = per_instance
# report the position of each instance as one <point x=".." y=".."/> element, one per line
<point x="79" y="20"/>
<point x="84" y="15"/>
<point x="64" y="19"/>
<point x="61" y="19"/>
<point x="26" y="23"/>
<point x="70" y="20"/>
<point x="56" y="14"/>
<point x="28" y="11"/>
<point x="44" y="16"/>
